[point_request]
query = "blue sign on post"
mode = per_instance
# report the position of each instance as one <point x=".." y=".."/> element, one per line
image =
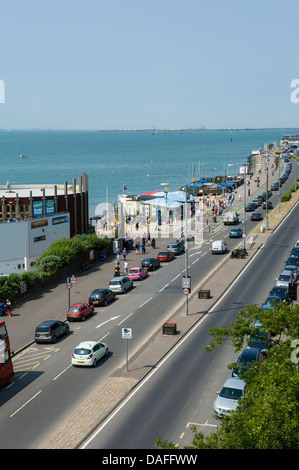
<point x="50" y="209"/>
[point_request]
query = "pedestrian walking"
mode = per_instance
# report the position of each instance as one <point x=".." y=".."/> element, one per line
<point x="137" y="246"/>
<point x="126" y="268"/>
<point x="118" y="255"/>
<point x="124" y="253"/>
<point x="143" y="247"/>
<point x="8" y="307"/>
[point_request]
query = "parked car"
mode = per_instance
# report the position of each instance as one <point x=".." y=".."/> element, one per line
<point x="292" y="264"/>
<point x="49" y="331"/>
<point x="120" y="284"/>
<point x="269" y="203"/>
<point x="101" y="297"/>
<point x="245" y="360"/>
<point x="227" y="400"/>
<point x="176" y="247"/>
<point x="256" y="216"/>
<point x="280" y="291"/>
<point x="138" y="273"/>
<point x="286" y="278"/>
<point x="270" y="302"/>
<point x="275" y="186"/>
<point x="88" y="353"/>
<point x="165" y="255"/>
<point x="295" y="251"/>
<point x="79" y="311"/>
<point x="236" y="233"/>
<point x="150" y="263"/>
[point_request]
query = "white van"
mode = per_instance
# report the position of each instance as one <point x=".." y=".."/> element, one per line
<point x="219" y="246"/>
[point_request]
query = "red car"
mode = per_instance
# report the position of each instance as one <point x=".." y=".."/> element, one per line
<point x="138" y="273"/>
<point x="79" y="311"/>
<point x="165" y="255"/>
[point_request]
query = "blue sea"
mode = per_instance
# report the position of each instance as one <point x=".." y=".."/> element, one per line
<point x="138" y="160"/>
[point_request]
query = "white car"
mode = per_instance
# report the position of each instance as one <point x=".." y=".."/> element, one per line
<point x="88" y="353"/>
<point x="227" y="400"/>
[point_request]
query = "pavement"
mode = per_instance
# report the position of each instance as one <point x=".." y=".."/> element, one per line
<point x="125" y="380"/>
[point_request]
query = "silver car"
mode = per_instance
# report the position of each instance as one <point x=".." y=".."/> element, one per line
<point x="227" y="400"/>
<point x="120" y="284"/>
<point x="285" y="279"/>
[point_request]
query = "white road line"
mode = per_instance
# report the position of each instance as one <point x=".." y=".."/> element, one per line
<point x="163" y="287"/>
<point x="175" y="278"/>
<point x="195" y="261"/>
<point x="145" y="302"/>
<point x="25" y="403"/>
<point x="125" y="318"/>
<point x="62" y="372"/>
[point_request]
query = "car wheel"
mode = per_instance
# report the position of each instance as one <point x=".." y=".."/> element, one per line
<point x="105" y="303"/>
<point x="124" y="290"/>
<point x="106" y="352"/>
<point x="114" y="297"/>
<point x="54" y="339"/>
<point x="94" y="363"/>
<point x="83" y="318"/>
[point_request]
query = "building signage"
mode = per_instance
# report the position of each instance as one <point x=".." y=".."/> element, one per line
<point x="60" y="220"/>
<point x="50" y="208"/>
<point x="39" y="223"/>
<point x="37" y="208"/>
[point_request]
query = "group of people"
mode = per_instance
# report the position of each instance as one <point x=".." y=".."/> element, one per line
<point x="138" y="245"/>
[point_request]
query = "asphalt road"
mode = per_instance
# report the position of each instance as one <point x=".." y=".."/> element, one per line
<point x="182" y="390"/>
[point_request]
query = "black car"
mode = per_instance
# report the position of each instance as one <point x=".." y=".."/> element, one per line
<point x="150" y="263"/>
<point x="267" y="203"/>
<point x="50" y="331"/>
<point x="280" y="291"/>
<point x="245" y="359"/>
<point x="101" y="297"/>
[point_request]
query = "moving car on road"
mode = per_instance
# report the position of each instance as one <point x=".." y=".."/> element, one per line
<point x="79" y="311"/>
<point x="101" y="297"/>
<point x="49" y="331"/>
<point x="137" y="273"/>
<point x="236" y="233"/>
<point x="256" y="216"/>
<point x="150" y="263"/>
<point x="88" y="353"/>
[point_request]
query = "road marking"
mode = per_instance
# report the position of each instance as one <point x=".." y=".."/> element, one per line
<point x="145" y="302"/>
<point x="195" y="261"/>
<point x="175" y="278"/>
<point x="62" y="372"/>
<point x="19" y="409"/>
<point x="163" y="287"/>
<point x="112" y="318"/>
<point x="125" y="318"/>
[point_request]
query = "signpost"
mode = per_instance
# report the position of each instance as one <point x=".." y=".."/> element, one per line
<point x="69" y="286"/>
<point x="127" y="333"/>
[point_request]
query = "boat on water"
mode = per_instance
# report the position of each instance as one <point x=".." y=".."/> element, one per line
<point x="23" y="156"/>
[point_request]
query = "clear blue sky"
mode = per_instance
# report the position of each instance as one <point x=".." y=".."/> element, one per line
<point x="134" y="64"/>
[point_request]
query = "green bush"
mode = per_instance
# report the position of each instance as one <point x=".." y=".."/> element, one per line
<point x="286" y="196"/>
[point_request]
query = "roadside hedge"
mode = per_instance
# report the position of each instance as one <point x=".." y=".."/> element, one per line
<point x="59" y="254"/>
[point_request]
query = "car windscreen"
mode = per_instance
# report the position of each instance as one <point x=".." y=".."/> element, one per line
<point x="233" y="393"/>
<point x="82" y="351"/>
<point x="283" y="277"/>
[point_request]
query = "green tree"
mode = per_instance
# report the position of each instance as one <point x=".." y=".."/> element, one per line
<point x="267" y="417"/>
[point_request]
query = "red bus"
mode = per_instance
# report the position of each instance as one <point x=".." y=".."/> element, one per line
<point x="6" y="367"/>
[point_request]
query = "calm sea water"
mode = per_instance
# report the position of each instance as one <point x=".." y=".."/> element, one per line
<point x="140" y="160"/>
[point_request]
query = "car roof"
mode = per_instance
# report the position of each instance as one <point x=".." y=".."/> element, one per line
<point x="249" y="352"/>
<point x="47" y="322"/>
<point x="285" y="272"/>
<point x="118" y="278"/>
<point x="78" y="304"/>
<point x="136" y="267"/>
<point x="86" y="344"/>
<point x="99" y="290"/>
<point x="234" y="382"/>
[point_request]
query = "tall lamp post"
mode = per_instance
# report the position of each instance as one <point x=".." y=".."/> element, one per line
<point x="166" y="193"/>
